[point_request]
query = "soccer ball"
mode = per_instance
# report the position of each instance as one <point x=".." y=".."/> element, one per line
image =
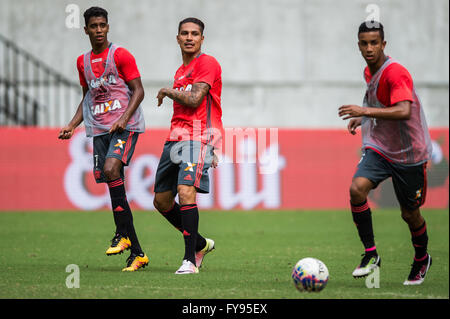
<point x="310" y="274"/>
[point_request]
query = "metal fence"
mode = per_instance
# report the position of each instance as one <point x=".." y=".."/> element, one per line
<point x="31" y="92"/>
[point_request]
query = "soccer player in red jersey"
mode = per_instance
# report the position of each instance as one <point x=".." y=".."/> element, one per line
<point x="196" y="129"/>
<point x="396" y="143"/>
<point x="112" y="93"/>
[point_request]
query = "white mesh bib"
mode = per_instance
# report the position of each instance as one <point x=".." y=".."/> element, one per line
<point x="403" y="141"/>
<point x="107" y="98"/>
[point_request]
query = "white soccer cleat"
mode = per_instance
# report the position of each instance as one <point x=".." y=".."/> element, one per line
<point x="367" y="265"/>
<point x="199" y="255"/>
<point x="187" y="268"/>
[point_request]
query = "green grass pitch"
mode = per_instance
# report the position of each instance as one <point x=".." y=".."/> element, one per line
<point x="254" y="255"/>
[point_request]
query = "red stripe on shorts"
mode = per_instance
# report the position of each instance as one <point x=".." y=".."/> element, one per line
<point x="424" y="193"/>
<point x="200" y="165"/>
<point x="127" y="147"/>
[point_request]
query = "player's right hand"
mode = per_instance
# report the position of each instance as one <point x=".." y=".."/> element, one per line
<point x="353" y="124"/>
<point x="66" y="133"/>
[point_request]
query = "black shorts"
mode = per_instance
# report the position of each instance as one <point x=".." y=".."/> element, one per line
<point x="410" y="182"/>
<point x="117" y="145"/>
<point x="184" y="163"/>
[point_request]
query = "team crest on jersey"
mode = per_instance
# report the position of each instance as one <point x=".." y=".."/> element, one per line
<point x="110" y="79"/>
<point x="185" y="88"/>
<point x="105" y="107"/>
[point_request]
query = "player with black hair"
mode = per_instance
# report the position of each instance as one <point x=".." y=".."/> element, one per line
<point x="188" y="153"/>
<point x="192" y="20"/>
<point x="112" y="93"/>
<point x="372" y="26"/>
<point x="94" y="12"/>
<point x="396" y="143"/>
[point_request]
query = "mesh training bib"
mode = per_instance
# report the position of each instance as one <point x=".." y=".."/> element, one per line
<point x="107" y="98"/>
<point x="403" y="141"/>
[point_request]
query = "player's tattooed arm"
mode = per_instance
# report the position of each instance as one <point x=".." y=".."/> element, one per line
<point x="192" y="98"/>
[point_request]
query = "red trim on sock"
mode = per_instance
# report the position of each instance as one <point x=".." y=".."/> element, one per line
<point x="187" y="207"/>
<point x="168" y="211"/>
<point x="115" y="183"/>
<point x="419" y="231"/>
<point x="421" y="259"/>
<point x="360" y="209"/>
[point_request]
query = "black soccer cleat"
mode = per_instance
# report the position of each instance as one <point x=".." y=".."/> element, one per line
<point x="418" y="271"/>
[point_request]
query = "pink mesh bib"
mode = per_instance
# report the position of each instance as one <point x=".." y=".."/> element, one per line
<point x="403" y="141"/>
<point x="107" y="98"/>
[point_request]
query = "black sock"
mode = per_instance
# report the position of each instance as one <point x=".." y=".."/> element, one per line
<point x="117" y="194"/>
<point x="189" y="220"/>
<point x="362" y="217"/>
<point x="122" y="213"/>
<point x="135" y="245"/>
<point x="419" y="238"/>
<point x="174" y="217"/>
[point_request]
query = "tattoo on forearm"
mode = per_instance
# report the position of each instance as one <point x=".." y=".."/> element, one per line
<point x="191" y="98"/>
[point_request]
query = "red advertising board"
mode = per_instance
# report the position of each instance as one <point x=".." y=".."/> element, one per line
<point x="259" y="169"/>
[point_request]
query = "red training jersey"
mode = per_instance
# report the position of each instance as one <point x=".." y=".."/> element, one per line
<point x="405" y="141"/>
<point x="395" y="84"/>
<point x="204" y="122"/>
<point x="125" y="63"/>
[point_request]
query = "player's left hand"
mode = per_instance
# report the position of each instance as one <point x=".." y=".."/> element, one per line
<point x="66" y="133"/>
<point x="119" y="126"/>
<point x="161" y="95"/>
<point x="215" y="161"/>
<point x="350" y="111"/>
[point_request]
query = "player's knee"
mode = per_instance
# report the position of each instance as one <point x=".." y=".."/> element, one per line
<point x="186" y="194"/>
<point x="410" y="215"/>
<point x="111" y="171"/>
<point x="161" y="204"/>
<point x="157" y="204"/>
<point x="406" y="216"/>
<point x="357" y="193"/>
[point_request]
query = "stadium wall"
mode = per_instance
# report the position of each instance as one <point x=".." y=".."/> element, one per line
<point x="286" y="63"/>
<point x="259" y="169"/>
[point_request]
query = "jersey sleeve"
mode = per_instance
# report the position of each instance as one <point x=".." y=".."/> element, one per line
<point x="126" y="64"/>
<point x="80" y="68"/>
<point x="400" y="84"/>
<point x="207" y="70"/>
<point x="366" y="74"/>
